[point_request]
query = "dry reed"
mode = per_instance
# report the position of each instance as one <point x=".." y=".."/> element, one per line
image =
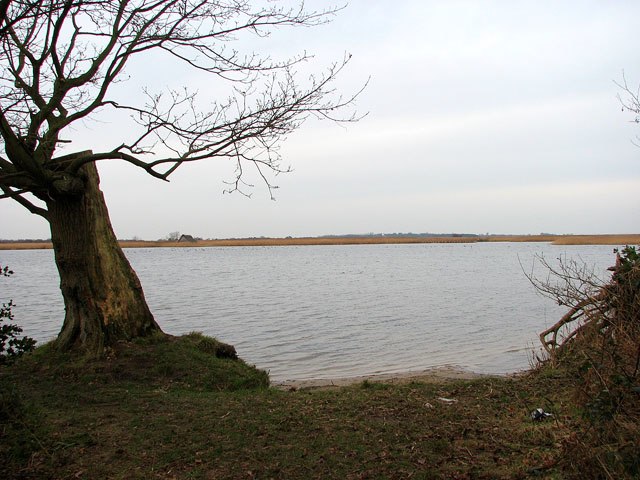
<point x="626" y="239"/>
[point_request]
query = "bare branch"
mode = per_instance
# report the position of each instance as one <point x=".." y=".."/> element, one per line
<point x="574" y="284"/>
<point x="630" y="101"/>
<point x="60" y="58"/>
<point x="17" y="196"/>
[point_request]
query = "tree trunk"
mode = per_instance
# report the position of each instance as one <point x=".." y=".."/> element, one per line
<point x="103" y="298"/>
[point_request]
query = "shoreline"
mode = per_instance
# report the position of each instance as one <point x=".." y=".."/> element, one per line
<point x="609" y="239"/>
<point x="442" y="374"/>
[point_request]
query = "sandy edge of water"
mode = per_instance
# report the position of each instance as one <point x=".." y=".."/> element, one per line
<point x="430" y="375"/>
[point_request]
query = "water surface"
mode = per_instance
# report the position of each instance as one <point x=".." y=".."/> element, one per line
<point x="332" y="311"/>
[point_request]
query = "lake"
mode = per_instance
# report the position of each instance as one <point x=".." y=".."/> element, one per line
<point x="323" y="312"/>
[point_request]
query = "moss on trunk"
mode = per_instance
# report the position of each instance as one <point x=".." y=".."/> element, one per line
<point x="103" y="298"/>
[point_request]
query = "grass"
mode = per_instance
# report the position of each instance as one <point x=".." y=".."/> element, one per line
<point x="166" y="408"/>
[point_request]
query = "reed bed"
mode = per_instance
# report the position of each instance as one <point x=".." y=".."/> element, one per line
<point x="626" y="239"/>
<point x="617" y="239"/>
<point x="25" y="245"/>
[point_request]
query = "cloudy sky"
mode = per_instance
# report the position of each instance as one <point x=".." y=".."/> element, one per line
<point x="492" y="116"/>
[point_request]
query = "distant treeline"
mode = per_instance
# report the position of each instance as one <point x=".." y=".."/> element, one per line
<point x="402" y="235"/>
<point x="26" y="240"/>
<point x="437" y="235"/>
<point x="348" y="235"/>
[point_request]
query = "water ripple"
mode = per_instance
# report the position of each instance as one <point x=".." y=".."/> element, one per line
<point x="331" y="311"/>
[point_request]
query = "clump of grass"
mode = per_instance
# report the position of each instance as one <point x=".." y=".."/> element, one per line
<point x="54" y="403"/>
<point x="368" y="384"/>
<point x="199" y="362"/>
<point x="20" y="426"/>
<point x="163" y="361"/>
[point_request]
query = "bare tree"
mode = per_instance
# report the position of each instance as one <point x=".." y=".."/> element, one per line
<point x="59" y="61"/>
<point x="173" y="236"/>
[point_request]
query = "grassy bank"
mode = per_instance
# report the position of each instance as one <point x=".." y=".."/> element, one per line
<point x="171" y="409"/>
<point x="627" y="239"/>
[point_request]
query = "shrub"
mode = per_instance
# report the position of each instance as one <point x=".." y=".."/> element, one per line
<point x="598" y="343"/>
<point x="11" y="345"/>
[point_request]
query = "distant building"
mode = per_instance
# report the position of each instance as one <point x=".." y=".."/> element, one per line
<point x="186" y="238"/>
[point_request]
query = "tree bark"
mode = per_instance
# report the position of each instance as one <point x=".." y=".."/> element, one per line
<point x="103" y="298"/>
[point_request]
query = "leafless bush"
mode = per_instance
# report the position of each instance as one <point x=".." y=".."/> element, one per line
<point x="598" y="342"/>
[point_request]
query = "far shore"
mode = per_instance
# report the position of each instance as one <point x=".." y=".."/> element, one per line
<point x="612" y="239"/>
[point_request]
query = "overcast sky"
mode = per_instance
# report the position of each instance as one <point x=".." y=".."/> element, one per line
<point x="492" y="116"/>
